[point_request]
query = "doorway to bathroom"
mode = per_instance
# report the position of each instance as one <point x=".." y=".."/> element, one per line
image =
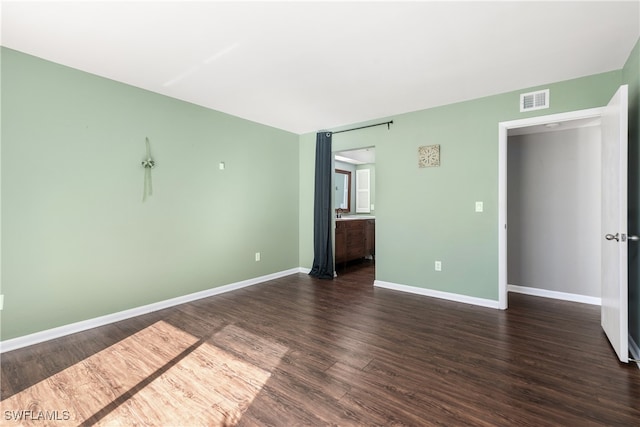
<point x="354" y="206"/>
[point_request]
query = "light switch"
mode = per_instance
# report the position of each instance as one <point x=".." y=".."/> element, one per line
<point x="221" y="166"/>
<point x="479" y="206"/>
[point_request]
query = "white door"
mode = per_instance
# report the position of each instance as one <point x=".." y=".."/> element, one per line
<point x="614" y="311"/>
<point x="363" y="191"/>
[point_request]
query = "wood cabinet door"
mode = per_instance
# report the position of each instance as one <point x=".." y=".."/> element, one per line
<point x="341" y="242"/>
<point x="355" y="239"/>
<point x="370" y="236"/>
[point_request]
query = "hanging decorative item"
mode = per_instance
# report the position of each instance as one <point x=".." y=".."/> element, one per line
<point x="428" y="156"/>
<point x="147" y="164"/>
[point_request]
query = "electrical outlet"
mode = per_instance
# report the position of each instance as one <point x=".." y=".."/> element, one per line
<point x="257" y="256"/>
<point x="438" y="265"/>
<point x="221" y="166"/>
<point x="479" y="206"/>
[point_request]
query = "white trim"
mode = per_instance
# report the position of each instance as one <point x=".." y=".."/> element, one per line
<point x="565" y="296"/>
<point x="502" y="216"/>
<point x="304" y="270"/>
<point x="634" y="350"/>
<point x="503" y="129"/>
<point x="437" y="294"/>
<point x="72" y="328"/>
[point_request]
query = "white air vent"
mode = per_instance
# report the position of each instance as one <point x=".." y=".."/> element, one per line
<point x="534" y="100"/>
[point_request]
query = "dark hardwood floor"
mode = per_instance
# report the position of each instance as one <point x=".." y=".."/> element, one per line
<point x="300" y="351"/>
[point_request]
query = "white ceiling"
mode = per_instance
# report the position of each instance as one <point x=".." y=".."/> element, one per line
<point x="307" y="66"/>
<point x="362" y="156"/>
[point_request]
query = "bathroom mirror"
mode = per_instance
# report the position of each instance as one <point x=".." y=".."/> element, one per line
<point x="342" y="179"/>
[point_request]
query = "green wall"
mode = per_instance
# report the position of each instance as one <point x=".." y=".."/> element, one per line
<point x="77" y="240"/>
<point x="631" y="76"/>
<point x="423" y="215"/>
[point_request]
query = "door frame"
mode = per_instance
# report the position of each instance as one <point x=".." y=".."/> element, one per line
<point x="503" y="129"/>
<point x="333" y="202"/>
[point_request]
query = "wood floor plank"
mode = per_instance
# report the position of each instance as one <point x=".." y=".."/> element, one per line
<point x="302" y="351"/>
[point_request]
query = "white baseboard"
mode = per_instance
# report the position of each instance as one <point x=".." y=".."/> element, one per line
<point x="437" y="294"/>
<point x="554" y="294"/>
<point x="72" y="328"/>
<point x="634" y="350"/>
<point x="304" y="270"/>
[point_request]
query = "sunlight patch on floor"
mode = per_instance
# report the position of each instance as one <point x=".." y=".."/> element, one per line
<point x="159" y="376"/>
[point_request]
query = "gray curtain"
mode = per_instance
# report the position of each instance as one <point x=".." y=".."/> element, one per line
<point x="322" y="210"/>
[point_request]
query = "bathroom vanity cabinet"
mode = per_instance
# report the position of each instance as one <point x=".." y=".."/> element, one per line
<point x="355" y="238"/>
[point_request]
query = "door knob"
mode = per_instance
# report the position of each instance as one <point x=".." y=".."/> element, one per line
<point x="613" y="237"/>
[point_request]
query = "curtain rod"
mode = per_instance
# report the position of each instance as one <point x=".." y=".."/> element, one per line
<point x="364" y="127"/>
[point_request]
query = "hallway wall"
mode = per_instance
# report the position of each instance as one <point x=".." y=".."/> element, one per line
<point x="553" y="197"/>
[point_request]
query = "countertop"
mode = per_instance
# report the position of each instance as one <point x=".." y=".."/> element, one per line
<point x="352" y="217"/>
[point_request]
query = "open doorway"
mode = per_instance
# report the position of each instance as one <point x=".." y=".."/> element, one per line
<point x="554" y="210"/>
<point x="614" y="211"/>
<point x="354" y="203"/>
<point x="543" y="122"/>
